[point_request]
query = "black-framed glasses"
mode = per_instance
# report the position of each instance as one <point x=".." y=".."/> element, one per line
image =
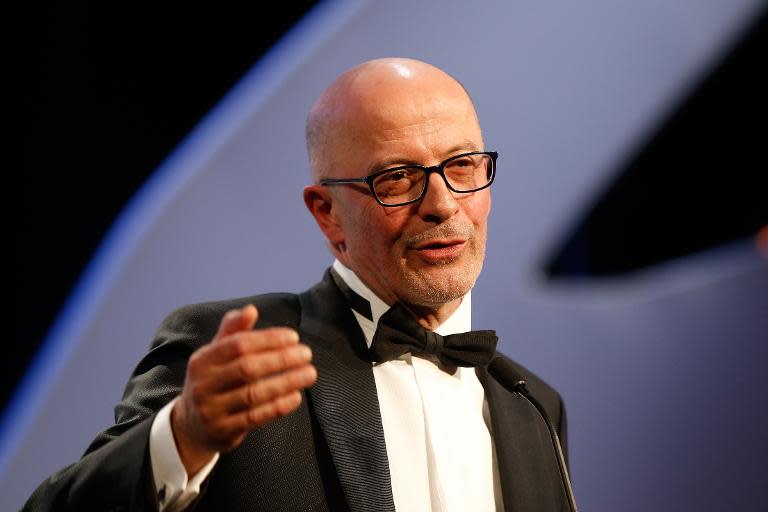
<point x="406" y="184"/>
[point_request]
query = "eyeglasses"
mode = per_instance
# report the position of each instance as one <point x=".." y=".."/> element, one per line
<point x="406" y="184"/>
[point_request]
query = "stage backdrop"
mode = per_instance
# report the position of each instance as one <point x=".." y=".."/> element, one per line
<point x="662" y="373"/>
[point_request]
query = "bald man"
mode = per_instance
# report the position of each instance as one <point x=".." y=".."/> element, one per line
<point x="323" y="400"/>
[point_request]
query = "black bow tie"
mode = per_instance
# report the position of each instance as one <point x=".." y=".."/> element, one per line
<point x="398" y="333"/>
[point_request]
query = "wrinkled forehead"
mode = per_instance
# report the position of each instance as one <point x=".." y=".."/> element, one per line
<point x="389" y="100"/>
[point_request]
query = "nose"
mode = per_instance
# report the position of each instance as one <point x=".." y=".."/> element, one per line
<point x="438" y="203"/>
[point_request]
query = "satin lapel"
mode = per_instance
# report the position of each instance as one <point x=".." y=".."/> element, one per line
<point x="530" y="479"/>
<point x="344" y="398"/>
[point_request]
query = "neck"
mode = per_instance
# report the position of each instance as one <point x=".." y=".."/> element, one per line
<point x="431" y="317"/>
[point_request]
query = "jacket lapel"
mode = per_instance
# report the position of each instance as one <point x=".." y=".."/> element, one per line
<point x="344" y="399"/>
<point x="528" y="471"/>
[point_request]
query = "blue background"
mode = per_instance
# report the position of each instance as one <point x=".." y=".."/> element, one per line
<point x="662" y="370"/>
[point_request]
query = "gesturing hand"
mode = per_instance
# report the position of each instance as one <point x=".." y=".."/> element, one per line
<point x="241" y="380"/>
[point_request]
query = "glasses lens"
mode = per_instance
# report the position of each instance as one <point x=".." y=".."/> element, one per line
<point x="399" y="186"/>
<point x="466" y="173"/>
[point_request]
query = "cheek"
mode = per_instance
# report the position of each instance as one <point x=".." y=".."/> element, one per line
<point x="369" y="228"/>
<point x="478" y="210"/>
<point x="381" y="231"/>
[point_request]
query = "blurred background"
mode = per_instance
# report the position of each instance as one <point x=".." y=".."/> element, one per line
<point x="160" y="159"/>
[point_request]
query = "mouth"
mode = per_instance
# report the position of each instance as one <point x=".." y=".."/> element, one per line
<point x="440" y="250"/>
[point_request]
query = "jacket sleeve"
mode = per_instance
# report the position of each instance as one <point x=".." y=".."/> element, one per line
<point x="115" y="472"/>
<point x="114" y="477"/>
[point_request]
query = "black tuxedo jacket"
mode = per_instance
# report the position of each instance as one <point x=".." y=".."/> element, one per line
<point x="329" y="455"/>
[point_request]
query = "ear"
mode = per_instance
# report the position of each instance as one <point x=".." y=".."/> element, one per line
<point x="319" y="201"/>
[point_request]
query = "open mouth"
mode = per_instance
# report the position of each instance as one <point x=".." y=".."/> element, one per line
<point x="439" y="250"/>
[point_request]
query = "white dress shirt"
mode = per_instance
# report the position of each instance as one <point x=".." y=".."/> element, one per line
<point x="436" y="429"/>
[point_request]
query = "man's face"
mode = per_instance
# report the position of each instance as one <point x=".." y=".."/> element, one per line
<point x="431" y="252"/>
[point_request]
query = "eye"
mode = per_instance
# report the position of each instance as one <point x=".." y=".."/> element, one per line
<point x="465" y="164"/>
<point x="397" y="175"/>
<point x="398" y="183"/>
<point x="464" y="161"/>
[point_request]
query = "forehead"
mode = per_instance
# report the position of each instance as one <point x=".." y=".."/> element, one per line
<point x="393" y="97"/>
<point x="407" y="122"/>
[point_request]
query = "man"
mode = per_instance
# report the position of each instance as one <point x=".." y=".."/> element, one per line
<point x="310" y="402"/>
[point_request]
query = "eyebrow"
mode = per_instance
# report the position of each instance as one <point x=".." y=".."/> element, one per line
<point x="464" y="146"/>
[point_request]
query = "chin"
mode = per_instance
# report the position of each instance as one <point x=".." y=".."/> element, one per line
<point x="439" y="284"/>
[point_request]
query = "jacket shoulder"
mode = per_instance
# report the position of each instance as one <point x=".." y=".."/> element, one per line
<point x="535" y="384"/>
<point x="202" y="320"/>
<point x="159" y="375"/>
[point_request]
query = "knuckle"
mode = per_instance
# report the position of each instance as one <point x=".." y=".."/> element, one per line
<point x="274" y="387"/>
<point x="287" y="357"/>
<point x="254" y="395"/>
<point x="239" y="346"/>
<point x="248" y="368"/>
<point x="254" y="367"/>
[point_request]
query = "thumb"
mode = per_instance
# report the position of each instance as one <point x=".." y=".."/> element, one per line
<point x="235" y="320"/>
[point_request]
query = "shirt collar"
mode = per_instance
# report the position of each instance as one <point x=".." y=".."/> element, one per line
<point x="459" y="321"/>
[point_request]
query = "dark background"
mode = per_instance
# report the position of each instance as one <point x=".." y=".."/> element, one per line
<point x="701" y="180"/>
<point x="109" y="82"/>
<point x="101" y="82"/>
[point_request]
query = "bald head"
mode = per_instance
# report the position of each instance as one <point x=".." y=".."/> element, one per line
<point x="392" y="114"/>
<point x="365" y="97"/>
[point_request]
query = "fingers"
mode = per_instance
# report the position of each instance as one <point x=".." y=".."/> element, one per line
<point x="260" y="392"/>
<point x="243" y="343"/>
<point x="262" y="414"/>
<point x="252" y="367"/>
<point x="236" y="337"/>
<point x="242" y="319"/>
<point x="224" y="419"/>
<point x="241" y="380"/>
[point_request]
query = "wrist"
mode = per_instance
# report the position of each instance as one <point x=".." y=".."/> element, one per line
<point x="192" y="455"/>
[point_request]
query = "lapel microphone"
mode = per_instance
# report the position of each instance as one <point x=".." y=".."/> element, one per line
<point x="503" y="371"/>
